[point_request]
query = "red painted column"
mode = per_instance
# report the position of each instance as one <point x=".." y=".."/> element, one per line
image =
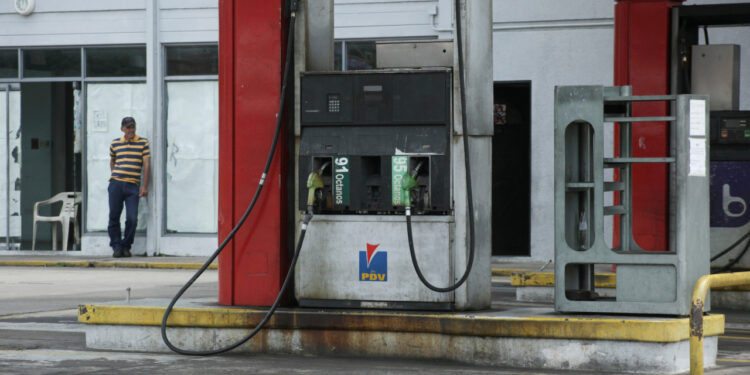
<point x="251" y="42"/>
<point x="642" y="59"/>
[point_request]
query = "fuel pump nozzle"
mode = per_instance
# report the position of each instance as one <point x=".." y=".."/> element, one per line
<point x="314" y="182"/>
<point x="408" y="182"/>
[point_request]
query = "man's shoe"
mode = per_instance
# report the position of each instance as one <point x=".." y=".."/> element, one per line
<point x="126" y="253"/>
<point x="118" y="253"/>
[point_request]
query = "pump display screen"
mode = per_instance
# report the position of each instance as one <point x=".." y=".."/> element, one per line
<point x="730" y="135"/>
<point x="734" y="123"/>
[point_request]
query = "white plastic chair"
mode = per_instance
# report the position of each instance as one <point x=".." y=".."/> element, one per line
<point x="69" y="213"/>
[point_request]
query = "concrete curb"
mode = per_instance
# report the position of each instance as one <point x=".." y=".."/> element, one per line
<point x="661" y="330"/>
<point x="104" y="264"/>
<point x="522" y="338"/>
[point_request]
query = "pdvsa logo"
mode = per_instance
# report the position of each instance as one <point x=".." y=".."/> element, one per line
<point x="373" y="264"/>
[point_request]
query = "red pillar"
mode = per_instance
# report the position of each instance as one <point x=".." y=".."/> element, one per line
<point x="642" y="59"/>
<point x="251" y="41"/>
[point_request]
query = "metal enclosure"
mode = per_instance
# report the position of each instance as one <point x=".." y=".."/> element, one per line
<point x="716" y="73"/>
<point x="648" y="282"/>
<point x="414" y="53"/>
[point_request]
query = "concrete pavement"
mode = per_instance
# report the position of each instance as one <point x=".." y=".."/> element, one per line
<point x="39" y="332"/>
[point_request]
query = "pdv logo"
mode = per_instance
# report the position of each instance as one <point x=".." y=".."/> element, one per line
<point x="373" y="264"/>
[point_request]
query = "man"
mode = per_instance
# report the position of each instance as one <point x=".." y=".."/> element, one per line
<point x="129" y="156"/>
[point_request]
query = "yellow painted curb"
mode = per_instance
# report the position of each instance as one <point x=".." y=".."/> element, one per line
<point x="155" y="265"/>
<point x="645" y="330"/>
<point x="601" y="280"/>
<point x="44" y="263"/>
<point x="104" y="264"/>
<point x="504" y="272"/>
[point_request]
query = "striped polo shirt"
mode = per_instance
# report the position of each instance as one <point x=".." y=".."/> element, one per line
<point x="128" y="158"/>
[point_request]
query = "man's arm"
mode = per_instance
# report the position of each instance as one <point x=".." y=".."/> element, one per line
<point x="146" y="173"/>
<point x="112" y="158"/>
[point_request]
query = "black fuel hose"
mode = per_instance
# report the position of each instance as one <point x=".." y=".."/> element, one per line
<point x="736" y="260"/>
<point x="467" y="167"/>
<point x="730" y="247"/>
<point x="308" y="217"/>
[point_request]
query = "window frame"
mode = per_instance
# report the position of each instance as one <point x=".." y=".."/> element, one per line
<point x="164" y="141"/>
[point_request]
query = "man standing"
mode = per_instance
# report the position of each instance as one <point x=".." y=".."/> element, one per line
<point x="129" y="156"/>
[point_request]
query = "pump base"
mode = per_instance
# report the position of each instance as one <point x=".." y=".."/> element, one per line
<point x="522" y="337"/>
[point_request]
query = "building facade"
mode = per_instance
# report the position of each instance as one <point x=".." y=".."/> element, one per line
<point x="93" y="62"/>
<point x="71" y="70"/>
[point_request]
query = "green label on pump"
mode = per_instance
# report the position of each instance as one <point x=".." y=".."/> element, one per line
<point x="399" y="167"/>
<point x="341" y="181"/>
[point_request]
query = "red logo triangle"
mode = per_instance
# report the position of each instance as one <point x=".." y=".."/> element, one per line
<point x="370" y="251"/>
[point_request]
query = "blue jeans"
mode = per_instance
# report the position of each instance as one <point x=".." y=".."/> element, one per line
<point x="120" y="192"/>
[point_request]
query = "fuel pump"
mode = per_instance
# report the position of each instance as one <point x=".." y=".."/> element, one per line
<point x="386" y="135"/>
<point x="394" y="218"/>
<point x="714" y="69"/>
<point x="366" y="138"/>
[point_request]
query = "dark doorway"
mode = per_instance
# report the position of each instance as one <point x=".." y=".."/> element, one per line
<point x="511" y="169"/>
<point x="49" y="164"/>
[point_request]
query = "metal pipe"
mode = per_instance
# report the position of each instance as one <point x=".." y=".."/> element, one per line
<point x="7" y="167"/>
<point x="697" y="303"/>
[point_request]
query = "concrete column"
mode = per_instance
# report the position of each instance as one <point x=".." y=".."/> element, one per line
<point x="477" y="49"/>
<point x="319" y="40"/>
<point x="154" y="121"/>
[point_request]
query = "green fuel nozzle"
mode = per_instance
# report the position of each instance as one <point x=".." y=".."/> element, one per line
<point x="314" y="182"/>
<point x="408" y="182"/>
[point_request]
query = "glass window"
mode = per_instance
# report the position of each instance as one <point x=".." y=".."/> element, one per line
<point x="192" y="60"/>
<point x="116" y="62"/>
<point x="52" y="62"/>
<point x="337" y="56"/>
<point x="192" y="156"/>
<point x="106" y="105"/>
<point x="360" y="55"/>
<point x="8" y="63"/>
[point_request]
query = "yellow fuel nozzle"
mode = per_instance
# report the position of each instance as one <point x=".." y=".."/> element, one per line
<point x="314" y="182"/>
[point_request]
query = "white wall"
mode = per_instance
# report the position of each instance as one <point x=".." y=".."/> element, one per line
<point x="550" y="43"/>
<point x="188" y="21"/>
<point x="73" y="22"/>
<point x="82" y="22"/>
<point x="376" y="19"/>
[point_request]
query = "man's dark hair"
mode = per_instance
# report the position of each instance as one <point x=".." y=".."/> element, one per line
<point x="127" y="121"/>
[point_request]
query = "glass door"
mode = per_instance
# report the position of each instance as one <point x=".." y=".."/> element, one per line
<point x="10" y="167"/>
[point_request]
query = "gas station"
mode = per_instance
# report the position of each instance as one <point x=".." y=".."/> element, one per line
<point x="355" y="207"/>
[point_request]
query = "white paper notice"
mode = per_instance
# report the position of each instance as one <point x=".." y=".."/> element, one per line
<point x="697" y="118"/>
<point x="697" y="157"/>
